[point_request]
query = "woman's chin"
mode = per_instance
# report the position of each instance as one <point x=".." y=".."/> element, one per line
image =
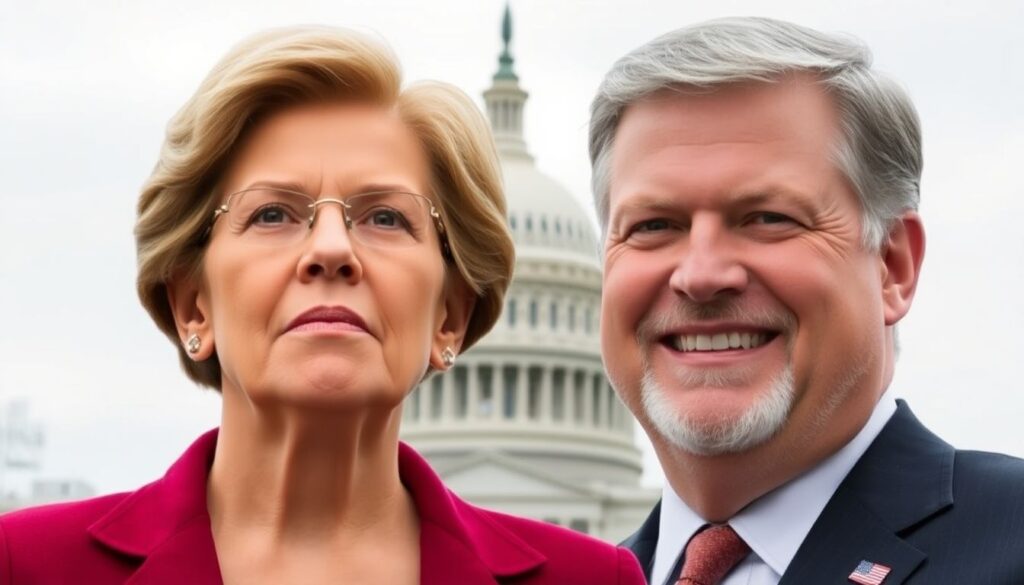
<point x="331" y="390"/>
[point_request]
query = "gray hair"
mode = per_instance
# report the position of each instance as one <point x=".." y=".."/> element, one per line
<point x="880" y="148"/>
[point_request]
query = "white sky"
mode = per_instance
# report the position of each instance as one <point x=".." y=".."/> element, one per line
<point x="86" y="89"/>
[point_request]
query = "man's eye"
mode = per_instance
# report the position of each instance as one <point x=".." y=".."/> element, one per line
<point x="651" y="225"/>
<point x="770" y="218"/>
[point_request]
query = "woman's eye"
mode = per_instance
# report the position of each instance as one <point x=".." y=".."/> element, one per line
<point x="389" y="219"/>
<point x="269" y="215"/>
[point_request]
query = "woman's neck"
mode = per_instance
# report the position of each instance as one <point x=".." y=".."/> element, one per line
<point x="286" y="482"/>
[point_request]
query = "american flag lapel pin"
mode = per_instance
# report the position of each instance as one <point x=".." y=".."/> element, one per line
<point x="868" y="573"/>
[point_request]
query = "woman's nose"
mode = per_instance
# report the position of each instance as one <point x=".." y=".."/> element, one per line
<point x="328" y="251"/>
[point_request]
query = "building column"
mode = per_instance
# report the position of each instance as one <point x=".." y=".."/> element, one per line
<point x="498" y="390"/>
<point x="523" y="393"/>
<point x="472" y="391"/>
<point x="588" y="399"/>
<point x="547" y="402"/>
<point x="570" y="397"/>
<point x="447" y="396"/>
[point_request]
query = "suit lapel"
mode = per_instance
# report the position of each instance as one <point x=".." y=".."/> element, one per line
<point x="902" y="480"/>
<point x="845" y="534"/>
<point x="644" y="542"/>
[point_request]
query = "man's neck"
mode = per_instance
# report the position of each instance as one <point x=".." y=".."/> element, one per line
<point x="717" y="487"/>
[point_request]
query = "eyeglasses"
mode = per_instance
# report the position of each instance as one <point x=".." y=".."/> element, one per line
<point x="381" y="219"/>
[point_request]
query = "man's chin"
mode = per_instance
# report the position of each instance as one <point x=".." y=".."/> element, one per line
<point x="706" y="430"/>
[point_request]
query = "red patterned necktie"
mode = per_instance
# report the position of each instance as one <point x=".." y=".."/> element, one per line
<point x="711" y="554"/>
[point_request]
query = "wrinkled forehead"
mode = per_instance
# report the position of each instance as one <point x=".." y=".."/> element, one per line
<point x="331" y="149"/>
<point x="795" y="108"/>
<point x="743" y="132"/>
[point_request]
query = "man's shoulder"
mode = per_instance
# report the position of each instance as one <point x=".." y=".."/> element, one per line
<point x="982" y="480"/>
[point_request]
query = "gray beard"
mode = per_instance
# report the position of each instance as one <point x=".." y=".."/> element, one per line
<point x="755" y="426"/>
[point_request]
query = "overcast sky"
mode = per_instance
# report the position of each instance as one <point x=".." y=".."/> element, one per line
<point x="86" y="89"/>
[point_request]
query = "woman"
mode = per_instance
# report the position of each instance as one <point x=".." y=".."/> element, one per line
<point x="315" y="241"/>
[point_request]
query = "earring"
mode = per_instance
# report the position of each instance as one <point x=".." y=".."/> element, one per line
<point x="194" y="343"/>
<point x="448" y="357"/>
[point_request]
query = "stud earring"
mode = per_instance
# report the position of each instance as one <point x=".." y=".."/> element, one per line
<point x="193" y="344"/>
<point x="448" y="357"/>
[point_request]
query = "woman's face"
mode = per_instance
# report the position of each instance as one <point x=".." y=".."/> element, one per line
<point x="324" y="319"/>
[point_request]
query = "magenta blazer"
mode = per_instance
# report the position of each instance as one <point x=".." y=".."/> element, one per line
<point x="161" y="534"/>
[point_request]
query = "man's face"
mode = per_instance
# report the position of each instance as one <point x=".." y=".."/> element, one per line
<point x="740" y="306"/>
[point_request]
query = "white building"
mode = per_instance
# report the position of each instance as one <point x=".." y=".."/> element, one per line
<point x="526" y="421"/>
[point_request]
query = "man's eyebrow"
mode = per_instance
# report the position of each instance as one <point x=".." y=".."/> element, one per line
<point x="773" y="194"/>
<point x="647" y="203"/>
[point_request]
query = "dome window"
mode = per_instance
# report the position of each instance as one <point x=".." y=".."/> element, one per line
<point x="512" y="222"/>
<point x="511" y="310"/>
<point x="543" y="224"/>
<point x="558" y="227"/>
<point x="529" y="223"/>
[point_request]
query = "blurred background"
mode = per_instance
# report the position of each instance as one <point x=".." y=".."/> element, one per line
<point x="91" y="396"/>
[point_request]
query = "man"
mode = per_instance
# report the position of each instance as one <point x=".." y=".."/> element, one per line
<point x="757" y="184"/>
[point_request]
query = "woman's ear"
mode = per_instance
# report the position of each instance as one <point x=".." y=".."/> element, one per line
<point x="191" y="309"/>
<point x="459" y="301"/>
<point x="901" y="257"/>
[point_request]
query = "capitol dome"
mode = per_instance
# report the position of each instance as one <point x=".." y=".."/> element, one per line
<point x="526" y="421"/>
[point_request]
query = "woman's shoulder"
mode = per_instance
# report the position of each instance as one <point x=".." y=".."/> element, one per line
<point x="42" y="542"/>
<point x="48" y="521"/>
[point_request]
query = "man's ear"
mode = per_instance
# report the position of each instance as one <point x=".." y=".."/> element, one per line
<point x="450" y="332"/>
<point x="191" y="309"/>
<point x="902" y="255"/>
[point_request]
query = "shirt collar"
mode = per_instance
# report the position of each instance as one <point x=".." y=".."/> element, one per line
<point x="777" y="523"/>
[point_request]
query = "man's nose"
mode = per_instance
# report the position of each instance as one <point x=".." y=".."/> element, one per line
<point x="710" y="264"/>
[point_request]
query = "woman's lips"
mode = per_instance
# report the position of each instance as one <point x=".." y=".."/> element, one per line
<point x="324" y="318"/>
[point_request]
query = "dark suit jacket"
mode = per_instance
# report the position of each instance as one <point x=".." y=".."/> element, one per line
<point x="161" y="534"/>
<point x="933" y="514"/>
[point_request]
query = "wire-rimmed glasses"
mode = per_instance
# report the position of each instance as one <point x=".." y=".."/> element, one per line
<point x="381" y="219"/>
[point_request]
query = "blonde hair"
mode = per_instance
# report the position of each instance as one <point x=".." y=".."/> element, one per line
<point x="279" y="68"/>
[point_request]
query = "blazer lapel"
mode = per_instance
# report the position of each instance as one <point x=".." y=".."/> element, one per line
<point x="166" y="525"/>
<point x="903" y="479"/>
<point x="188" y="556"/>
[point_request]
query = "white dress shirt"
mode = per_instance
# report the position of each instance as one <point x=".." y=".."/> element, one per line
<point x="775" y="524"/>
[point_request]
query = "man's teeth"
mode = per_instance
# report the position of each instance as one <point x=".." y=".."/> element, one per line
<point x="719" y="341"/>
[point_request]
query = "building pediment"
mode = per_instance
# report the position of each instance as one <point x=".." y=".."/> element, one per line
<point x="487" y="474"/>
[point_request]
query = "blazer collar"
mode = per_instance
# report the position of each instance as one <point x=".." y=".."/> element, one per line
<point x="903" y="479"/>
<point x="167" y="525"/>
